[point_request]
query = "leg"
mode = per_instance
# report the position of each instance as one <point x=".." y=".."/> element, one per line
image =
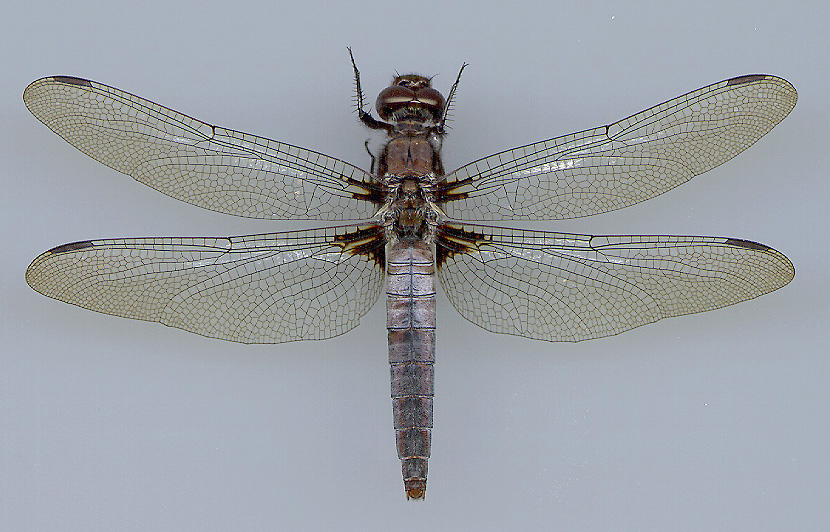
<point x="372" y="155"/>
<point x="364" y="117"/>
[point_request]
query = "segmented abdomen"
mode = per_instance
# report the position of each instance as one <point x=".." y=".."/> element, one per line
<point x="411" y="323"/>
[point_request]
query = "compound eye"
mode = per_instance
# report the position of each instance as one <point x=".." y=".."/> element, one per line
<point x="431" y="99"/>
<point x="392" y="98"/>
<point x="401" y="96"/>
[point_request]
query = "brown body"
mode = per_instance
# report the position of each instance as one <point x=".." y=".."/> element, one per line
<point x="409" y="166"/>
<point x="317" y="283"/>
<point x="411" y="325"/>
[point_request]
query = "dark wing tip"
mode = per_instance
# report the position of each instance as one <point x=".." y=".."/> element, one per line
<point x="67" y="80"/>
<point x="749" y="78"/>
<point x="35" y="272"/>
<point x="72" y="246"/>
<point x="749" y="244"/>
<point x="784" y="265"/>
<point x="71" y="80"/>
<point x="752" y="78"/>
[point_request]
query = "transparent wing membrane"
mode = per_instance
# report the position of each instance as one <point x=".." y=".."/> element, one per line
<point x="629" y="161"/>
<point x="208" y="166"/>
<point x="316" y="284"/>
<point x="268" y="288"/>
<point x="566" y="287"/>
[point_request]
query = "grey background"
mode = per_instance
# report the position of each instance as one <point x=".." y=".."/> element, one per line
<point x="708" y="422"/>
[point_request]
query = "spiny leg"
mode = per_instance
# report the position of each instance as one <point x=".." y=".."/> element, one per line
<point x="364" y="116"/>
<point x="444" y="117"/>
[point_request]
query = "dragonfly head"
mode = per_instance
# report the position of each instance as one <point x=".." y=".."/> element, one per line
<point x="410" y="97"/>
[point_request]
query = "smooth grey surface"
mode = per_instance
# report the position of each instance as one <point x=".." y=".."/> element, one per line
<point x="708" y="422"/>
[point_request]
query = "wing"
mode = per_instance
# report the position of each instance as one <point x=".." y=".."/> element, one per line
<point x="614" y="166"/>
<point x="268" y="288"/>
<point x="209" y="166"/>
<point x="563" y="287"/>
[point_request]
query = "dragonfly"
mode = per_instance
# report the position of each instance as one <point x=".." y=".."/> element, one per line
<point x="405" y="221"/>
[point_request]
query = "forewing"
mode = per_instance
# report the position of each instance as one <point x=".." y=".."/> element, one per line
<point x="268" y="288"/>
<point x="629" y="161"/>
<point x="209" y="166"/>
<point x="564" y="287"/>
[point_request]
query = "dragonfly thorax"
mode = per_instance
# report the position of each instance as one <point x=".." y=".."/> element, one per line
<point x="411" y="213"/>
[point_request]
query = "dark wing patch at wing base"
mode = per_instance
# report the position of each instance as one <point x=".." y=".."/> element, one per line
<point x="369" y="242"/>
<point x="452" y="239"/>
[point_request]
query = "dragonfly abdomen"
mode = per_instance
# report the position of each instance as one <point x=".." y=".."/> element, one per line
<point x="411" y="325"/>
